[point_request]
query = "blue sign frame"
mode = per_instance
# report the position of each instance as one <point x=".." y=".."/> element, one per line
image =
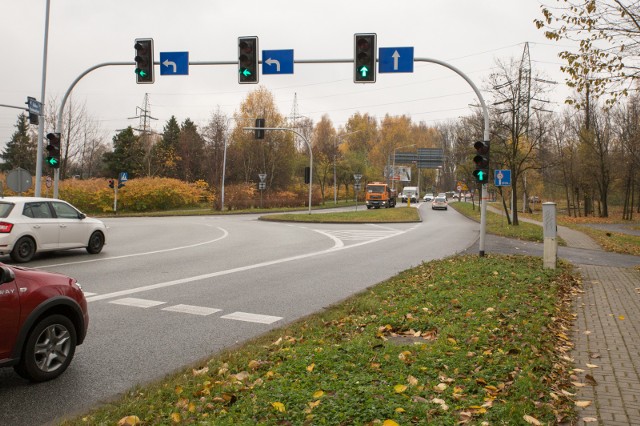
<point x="395" y="59"/>
<point x="174" y="63"/>
<point x="502" y="177"/>
<point x="277" y="61"/>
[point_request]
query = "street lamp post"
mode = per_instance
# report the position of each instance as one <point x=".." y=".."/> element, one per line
<point x="393" y="186"/>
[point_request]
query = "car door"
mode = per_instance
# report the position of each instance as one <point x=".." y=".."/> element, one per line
<point x="9" y="317"/>
<point x="42" y="225"/>
<point x="74" y="232"/>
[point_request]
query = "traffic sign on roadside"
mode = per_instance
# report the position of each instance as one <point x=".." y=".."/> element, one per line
<point x="502" y="177"/>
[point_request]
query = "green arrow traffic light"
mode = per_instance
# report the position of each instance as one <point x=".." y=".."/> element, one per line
<point x="53" y="162"/>
<point x="363" y="71"/>
<point x="245" y="72"/>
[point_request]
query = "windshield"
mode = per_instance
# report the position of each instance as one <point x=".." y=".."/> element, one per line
<point x="376" y="189"/>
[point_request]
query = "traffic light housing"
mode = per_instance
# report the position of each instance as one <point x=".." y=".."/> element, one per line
<point x="259" y="134"/>
<point x="111" y="183"/>
<point x="247" y="60"/>
<point x="307" y="174"/>
<point x="53" y="150"/>
<point x="364" y="58"/>
<point x="144" y="60"/>
<point x="481" y="160"/>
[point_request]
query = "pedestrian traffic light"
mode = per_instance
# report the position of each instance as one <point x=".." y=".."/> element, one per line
<point x="247" y="60"/>
<point x="53" y="149"/>
<point x="481" y="161"/>
<point x="144" y="60"/>
<point x="364" y="58"/>
<point x="259" y="133"/>
<point x="111" y="183"/>
<point x="307" y="174"/>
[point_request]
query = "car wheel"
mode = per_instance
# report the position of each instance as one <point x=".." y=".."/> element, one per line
<point x="96" y="242"/>
<point x="49" y="349"/>
<point x="24" y="250"/>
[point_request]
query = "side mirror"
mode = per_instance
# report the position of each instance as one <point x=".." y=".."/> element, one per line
<point x="6" y="275"/>
<point x="81" y="216"/>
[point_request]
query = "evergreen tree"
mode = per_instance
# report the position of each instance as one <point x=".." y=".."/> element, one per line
<point x="127" y="155"/>
<point x="165" y="152"/>
<point x="21" y="150"/>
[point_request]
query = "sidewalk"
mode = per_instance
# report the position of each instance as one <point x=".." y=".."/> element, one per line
<point x="607" y="328"/>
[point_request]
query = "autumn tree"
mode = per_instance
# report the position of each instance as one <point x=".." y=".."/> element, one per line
<point x="274" y="155"/>
<point x="215" y="135"/>
<point x="605" y="61"/>
<point x="324" y="152"/>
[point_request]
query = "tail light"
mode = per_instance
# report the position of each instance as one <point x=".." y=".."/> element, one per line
<point x="5" y="227"/>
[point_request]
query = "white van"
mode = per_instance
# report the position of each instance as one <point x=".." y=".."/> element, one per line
<point x="410" y="193"/>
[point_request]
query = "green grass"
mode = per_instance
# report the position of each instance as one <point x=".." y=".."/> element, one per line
<point x="482" y="341"/>
<point x="399" y="214"/>
<point x="498" y="224"/>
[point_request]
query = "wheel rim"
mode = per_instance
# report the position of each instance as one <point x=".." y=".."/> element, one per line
<point x="25" y="248"/>
<point x="96" y="241"/>
<point x="52" y="348"/>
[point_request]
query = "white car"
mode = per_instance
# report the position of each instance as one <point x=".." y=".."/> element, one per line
<point x="32" y="224"/>
<point x="428" y="197"/>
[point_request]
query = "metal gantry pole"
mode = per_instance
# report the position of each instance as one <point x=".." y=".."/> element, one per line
<point x="38" y="188"/>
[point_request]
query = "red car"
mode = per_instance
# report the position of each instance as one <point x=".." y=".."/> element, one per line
<point x="43" y="317"/>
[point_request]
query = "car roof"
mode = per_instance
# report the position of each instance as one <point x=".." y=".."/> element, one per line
<point x="16" y="199"/>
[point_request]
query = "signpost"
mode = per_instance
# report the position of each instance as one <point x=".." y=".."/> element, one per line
<point x="357" y="186"/>
<point x="262" y="185"/>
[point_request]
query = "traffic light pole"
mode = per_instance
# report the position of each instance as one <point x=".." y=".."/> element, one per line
<point x="485" y="112"/>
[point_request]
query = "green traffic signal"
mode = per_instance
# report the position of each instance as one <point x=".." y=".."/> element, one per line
<point x="363" y="71"/>
<point x="364" y="58"/>
<point x="53" y="162"/>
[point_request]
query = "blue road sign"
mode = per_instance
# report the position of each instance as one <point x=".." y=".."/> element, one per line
<point x="395" y="59"/>
<point x="277" y="61"/>
<point x="502" y="177"/>
<point x="124" y="176"/>
<point x="174" y="63"/>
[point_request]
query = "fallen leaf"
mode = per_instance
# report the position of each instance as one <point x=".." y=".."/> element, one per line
<point x="400" y="410"/>
<point x="129" y="421"/>
<point x="438" y="401"/>
<point x="389" y="423"/>
<point x="318" y="394"/>
<point x="621" y="317"/>
<point x="440" y="387"/>
<point x="399" y="388"/>
<point x="589" y="419"/>
<point x="200" y="372"/>
<point x="592" y="366"/>
<point x="310" y="367"/>
<point x="279" y="406"/>
<point x="583" y="404"/>
<point x="590" y="380"/>
<point x="412" y="380"/>
<point x="531" y="420"/>
<point x="176" y="417"/>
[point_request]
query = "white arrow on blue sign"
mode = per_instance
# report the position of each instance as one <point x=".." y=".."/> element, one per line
<point x="395" y="59"/>
<point x="174" y="63"/>
<point x="277" y="61"/>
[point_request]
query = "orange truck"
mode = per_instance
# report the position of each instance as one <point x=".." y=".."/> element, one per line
<point x="379" y="194"/>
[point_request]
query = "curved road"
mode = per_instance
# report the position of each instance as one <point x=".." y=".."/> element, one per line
<point x="167" y="292"/>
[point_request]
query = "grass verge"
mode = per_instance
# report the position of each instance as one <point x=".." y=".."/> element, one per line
<point x="396" y="215"/>
<point x="464" y="340"/>
<point x="498" y="224"/>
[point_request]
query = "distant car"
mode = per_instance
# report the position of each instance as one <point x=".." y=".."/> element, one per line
<point x="44" y="317"/>
<point x="534" y="199"/>
<point x="439" y="203"/>
<point x="428" y="197"/>
<point x="32" y="224"/>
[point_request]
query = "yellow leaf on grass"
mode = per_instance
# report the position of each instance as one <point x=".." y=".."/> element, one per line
<point x="532" y="420"/>
<point x="178" y="389"/>
<point x="176" y="417"/>
<point x="129" y="421"/>
<point x="254" y="365"/>
<point x="310" y="367"/>
<point x="412" y="380"/>
<point x="583" y="404"/>
<point x="389" y="423"/>
<point x="399" y="388"/>
<point x="400" y="410"/>
<point x="279" y="406"/>
<point x="318" y="394"/>
<point x="313" y="404"/>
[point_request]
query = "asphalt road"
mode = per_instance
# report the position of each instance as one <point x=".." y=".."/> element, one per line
<point x="168" y="292"/>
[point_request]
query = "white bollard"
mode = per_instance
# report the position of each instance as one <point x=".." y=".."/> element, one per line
<point x="550" y="233"/>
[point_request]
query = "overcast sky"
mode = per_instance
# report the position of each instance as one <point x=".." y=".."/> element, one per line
<point x="468" y="34"/>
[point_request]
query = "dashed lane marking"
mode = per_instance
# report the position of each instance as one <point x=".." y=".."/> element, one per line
<point x="193" y="310"/>
<point x="138" y="303"/>
<point x="247" y="317"/>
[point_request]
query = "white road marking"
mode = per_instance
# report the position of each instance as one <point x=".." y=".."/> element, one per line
<point x="247" y="317"/>
<point x="338" y="245"/>
<point x="88" y="293"/>
<point x="138" y="303"/>
<point x="225" y="234"/>
<point x="190" y="309"/>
